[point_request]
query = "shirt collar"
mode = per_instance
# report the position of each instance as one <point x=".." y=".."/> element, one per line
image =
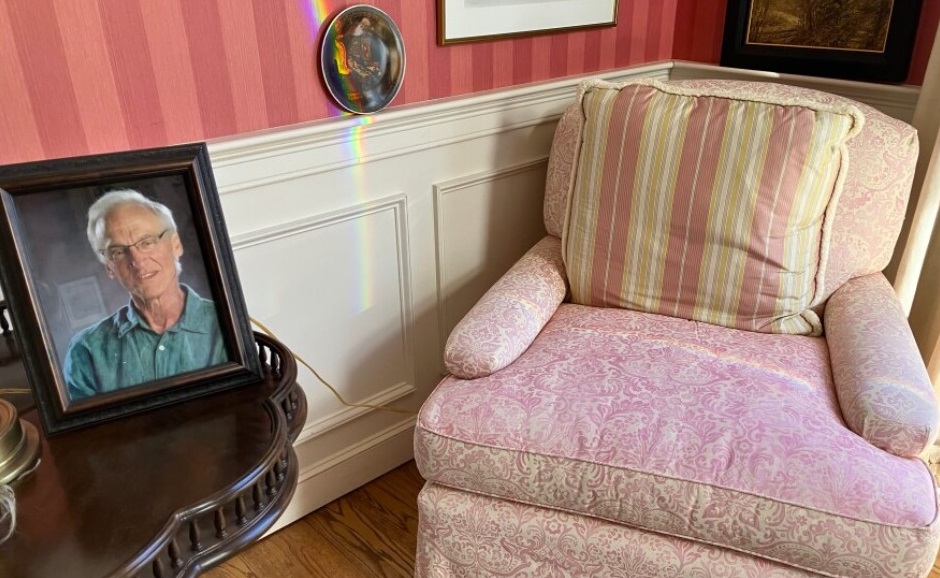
<point x="128" y="318"/>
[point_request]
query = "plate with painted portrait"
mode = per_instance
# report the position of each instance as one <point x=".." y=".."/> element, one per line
<point x="362" y="59"/>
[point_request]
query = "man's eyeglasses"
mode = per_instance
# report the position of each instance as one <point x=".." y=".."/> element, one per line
<point x="117" y="253"/>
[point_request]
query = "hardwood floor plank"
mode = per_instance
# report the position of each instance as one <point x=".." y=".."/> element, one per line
<point x="364" y="543"/>
<point x="298" y="553"/>
<point x="234" y="568"/>
<point x="376" y="526"/>
<point x="369" y="532"/>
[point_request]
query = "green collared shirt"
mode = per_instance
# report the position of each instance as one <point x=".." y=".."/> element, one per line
<point x="122" y="350"/>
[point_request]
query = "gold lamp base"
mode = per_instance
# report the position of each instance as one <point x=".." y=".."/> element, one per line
<point x="19" y="444"/>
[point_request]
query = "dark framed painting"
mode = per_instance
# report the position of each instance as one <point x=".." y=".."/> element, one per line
<point x="121" y="283"/>
<point x="867" y="40"/>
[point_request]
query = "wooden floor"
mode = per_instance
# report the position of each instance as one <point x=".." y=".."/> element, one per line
<point x="370" y="532"/>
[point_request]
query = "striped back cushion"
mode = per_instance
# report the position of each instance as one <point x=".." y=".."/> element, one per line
<point x="704" y="205"/>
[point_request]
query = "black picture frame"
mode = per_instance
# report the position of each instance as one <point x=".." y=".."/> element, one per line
<point x="52" y="281"/>
<point x="887" y="62"/>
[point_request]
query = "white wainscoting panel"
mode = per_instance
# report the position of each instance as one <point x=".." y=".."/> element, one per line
<point x="361" y="241"/>
<point x="484" y="223"/>
<point x="346" y="270"/>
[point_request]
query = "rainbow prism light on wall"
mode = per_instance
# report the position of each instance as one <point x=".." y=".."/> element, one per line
<point x="362" y="59"/>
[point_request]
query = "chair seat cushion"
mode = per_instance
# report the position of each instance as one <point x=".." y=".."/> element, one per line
<point x="686" y="429"/>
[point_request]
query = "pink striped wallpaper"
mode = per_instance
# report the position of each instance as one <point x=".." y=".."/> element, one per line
<point x="88" y="76"/>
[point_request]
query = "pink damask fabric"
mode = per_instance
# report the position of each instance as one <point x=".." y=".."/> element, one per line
<point x="559" y="179"/>
<point x="681" y="428"/>
<point x="509" y="316"/>
<point x="464" y="535"/>
<point x="883" y="388"/>
<point x="874" y="199"/>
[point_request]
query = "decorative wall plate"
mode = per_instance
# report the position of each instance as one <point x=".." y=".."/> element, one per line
<point x="362" y="59"/>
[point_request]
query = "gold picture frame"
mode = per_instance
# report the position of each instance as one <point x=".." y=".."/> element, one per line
<point x="869" y="40"/>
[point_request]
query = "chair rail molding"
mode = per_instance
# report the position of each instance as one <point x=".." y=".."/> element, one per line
<point x="362" y="240"/>
<point x="327" y="145"/>
<point x="894" y="100"/>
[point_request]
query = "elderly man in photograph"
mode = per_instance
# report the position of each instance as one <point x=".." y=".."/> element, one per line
<point x="166" y="328"/>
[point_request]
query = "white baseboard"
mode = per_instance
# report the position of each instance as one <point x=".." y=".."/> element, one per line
<point x="326" y="480"/>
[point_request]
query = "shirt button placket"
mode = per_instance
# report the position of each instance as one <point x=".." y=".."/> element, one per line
<point x="161" y="357"/>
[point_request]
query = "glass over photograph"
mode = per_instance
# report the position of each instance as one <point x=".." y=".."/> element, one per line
<point x="122" y="283"/>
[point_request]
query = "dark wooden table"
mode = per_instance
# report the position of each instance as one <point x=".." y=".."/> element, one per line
<point x="168" y="492"/>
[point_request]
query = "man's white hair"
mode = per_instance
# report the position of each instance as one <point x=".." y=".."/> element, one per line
<point x="98" y="214"/>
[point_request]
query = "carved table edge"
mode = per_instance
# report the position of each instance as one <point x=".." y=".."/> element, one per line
<point x="207" y="535"/>
<point x="224" y="523"/>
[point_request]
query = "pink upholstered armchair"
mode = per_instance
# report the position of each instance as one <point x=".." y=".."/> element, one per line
<point x="700" y="371"/>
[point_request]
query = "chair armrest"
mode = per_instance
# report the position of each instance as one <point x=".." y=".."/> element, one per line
<point x="880" y="379"/>
<point x="508" y="317"/>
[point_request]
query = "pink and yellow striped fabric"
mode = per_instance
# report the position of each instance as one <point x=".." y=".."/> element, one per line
<point x="705" y="204"/>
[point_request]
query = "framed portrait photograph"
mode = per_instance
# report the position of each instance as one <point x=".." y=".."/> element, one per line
<point x="473" y="20"/>
<point x="121" y="283"/>
<point x="868" y="40"/>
